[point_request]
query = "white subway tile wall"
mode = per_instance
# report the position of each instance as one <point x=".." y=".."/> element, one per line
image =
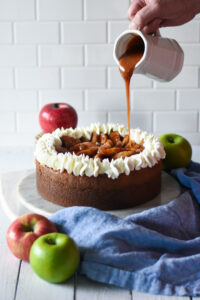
<point x="175" y="121"/>
<point x="20" y="10"/>
<point x="30" y="120"/>
<point x="53" y="10"/>
<point x="84" y="77"/>
<point x="62" y="51"/>
<point x="17" y="56"/>
<point x="105" y="9"/>
<point x="6" y="81"/>
<point x="60" y="55"/>
<point x="83" y="32"/>
<point x="142" y="120"/>
<point x="36" y="33"/>
<point x="187" y="33"/>
<point x="5" y="33"/>
<point x="37" y="78"/>
<point x="99" y="55"/>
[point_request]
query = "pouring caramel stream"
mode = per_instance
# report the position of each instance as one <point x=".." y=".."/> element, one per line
<point x="133" y="53"/>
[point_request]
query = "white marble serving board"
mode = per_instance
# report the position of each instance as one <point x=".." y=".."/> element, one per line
<point x="9" y="195"/>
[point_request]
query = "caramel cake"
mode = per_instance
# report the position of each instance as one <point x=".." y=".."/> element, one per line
<point x="98" y="166"/>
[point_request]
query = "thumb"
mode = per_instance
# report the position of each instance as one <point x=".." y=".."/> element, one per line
<point x="134" y="7"/>
<point x="146" y="15"/>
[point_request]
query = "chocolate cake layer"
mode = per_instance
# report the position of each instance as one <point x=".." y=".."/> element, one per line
<point x="99" y="192"/>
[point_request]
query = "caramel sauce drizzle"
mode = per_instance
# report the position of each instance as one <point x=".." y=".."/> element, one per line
<point x="127" y="63"/>
<point x="111" y="146"/>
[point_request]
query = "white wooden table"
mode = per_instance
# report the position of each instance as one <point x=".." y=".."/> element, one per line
<point x="18" y="281"/>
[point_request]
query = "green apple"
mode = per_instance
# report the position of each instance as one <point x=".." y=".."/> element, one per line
<point x="54" y="257"/>
<point x="178" y="151"/>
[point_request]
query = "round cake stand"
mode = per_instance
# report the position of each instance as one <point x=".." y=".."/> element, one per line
<point x="32" y="201"/>
<point x="9" y="193"/>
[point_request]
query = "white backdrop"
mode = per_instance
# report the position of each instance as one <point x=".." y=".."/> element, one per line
<point x="61" y="50"/>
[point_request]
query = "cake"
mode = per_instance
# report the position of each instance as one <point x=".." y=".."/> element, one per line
<point x="98" y="166"/>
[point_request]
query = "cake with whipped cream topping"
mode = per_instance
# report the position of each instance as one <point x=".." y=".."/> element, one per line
<point x="99" y="166"/>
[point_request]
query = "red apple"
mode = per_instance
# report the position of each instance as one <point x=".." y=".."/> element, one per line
<point x="24" y="231"/>
<point x="57" y="115"/>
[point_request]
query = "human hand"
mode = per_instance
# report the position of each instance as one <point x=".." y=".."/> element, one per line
<point x="149" y="15"/>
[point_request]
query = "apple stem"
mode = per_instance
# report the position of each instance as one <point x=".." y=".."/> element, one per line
<point x="171" y="140"/>
<point x="28" y="228"/>
<point x="50" y="241"/>
<point x="56" y="105"/>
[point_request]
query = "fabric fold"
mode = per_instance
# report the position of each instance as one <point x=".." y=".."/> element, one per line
<point x="156" y="251"/>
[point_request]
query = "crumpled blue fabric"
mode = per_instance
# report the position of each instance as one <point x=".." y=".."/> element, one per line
<point x="156" y="251"/>
<point x="190" y="178"/>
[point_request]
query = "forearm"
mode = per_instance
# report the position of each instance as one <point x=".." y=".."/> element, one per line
<point x="194" y="6"/>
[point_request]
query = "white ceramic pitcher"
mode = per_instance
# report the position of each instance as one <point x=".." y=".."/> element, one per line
<point x="162" y="59"/>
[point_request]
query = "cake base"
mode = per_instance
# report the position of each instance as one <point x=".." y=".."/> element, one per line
<point x="100" y="192"/>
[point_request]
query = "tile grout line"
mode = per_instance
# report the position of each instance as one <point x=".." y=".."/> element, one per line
<point x="198" y="122"/>
<point x="152" y="121"/>
<point x="36" y="11"/>
<point x="60" y="30"/>
<point x="199" y="33"/>
<point x="107" y="117"/>
<point x="83" y="10"/>
<point x="176" y="99"/>
<point x="38" y="58"/>
<point x="84" y="51"/>
<point x="14" y="77"/>
<point x="60" y="75"/>
<point x="107" y="33"/>
<point x="17" y="281"/>
<point x="13" y="39"/>
<point x="198" y="78"/>
<point x="15" y="121"/>
<point x="106" y="75"/>
<point x="84" y="99"/>
<point x="38" y="99"/>
<point x="75" y="286"/>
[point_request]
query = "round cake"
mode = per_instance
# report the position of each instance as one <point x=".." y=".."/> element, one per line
<point x="99" y="166"/>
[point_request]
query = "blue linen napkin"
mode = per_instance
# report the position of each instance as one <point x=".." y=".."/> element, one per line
<point x="156" y="251"/>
